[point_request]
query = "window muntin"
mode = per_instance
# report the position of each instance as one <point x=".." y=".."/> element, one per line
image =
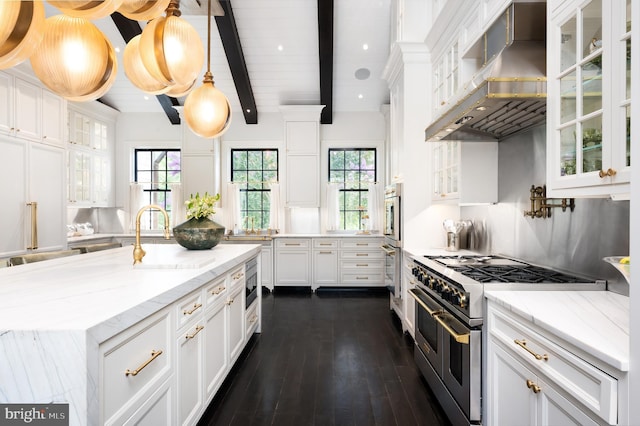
<point x="355" y="168"/>
<point x="155" y="169"/>
<point x="255" y="169"/>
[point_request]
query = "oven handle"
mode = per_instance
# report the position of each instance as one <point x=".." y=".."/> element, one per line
<point x="388" y="250"/>
<point x="443" y="318"/>
<point x="415" y="293"/>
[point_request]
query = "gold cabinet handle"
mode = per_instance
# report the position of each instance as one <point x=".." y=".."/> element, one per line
<point x="362" y="244"/>
<point x="238" y="275"/>
<point x="229" y="301"/>
<point x="34" y="225"/>
<point x="609" y="172"/>
<point x="362" y="278"/>
<point x="253" y="319"/>
<point x="362" y="254"/>
<point x="523" y="344"/>
<point x="192" y="335"/>
<point x="362" y="264"/>
<point x="325" y="252"/>
<point x="291" y="244"/>
<point x="154" y="354"/>
<point x="459" y="338"/>
<point x="325" y="244"/>
<point x="196" y="306"/>
<point x="534" y="387"/>
<point x="217" y="290"/>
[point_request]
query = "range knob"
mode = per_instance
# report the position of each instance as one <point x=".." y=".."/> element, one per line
<point x="463" y="301"/>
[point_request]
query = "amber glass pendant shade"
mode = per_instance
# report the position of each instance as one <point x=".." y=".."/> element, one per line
<point x="21" y="30"/>
<point x="75" y="60"/>
<point x="143" y="10"/>
<point x="171" y="50"/>
<point x="179" y="90"/>
<point x="88" y="9"/>
<point x="136" y="72"/>
<point x="207" y="111"/>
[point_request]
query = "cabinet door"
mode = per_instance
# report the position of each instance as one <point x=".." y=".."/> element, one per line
<point x="302" y="181"/>
<point x="216" y="360"/>
<point x="554" y="409"/>
<point x="28" y="106"/>
<point x="235" y="302"/>
<point x="292" y="267"/>
<point x="79" y="191"/>
<point x="46" y="187"/>
<point x="325" y="268"/>
<point x="302" y="137"/>
<point x="189" y="368"/>
<point x="14" y="210"/>
<point x="156" y="411"/>
<point x="6" y="103"/>
<point x="53" y="118"/>
<point x="510" y="401"/>
<point x="266" y="267"/>
<point x="198" y="174"/>
<point x="100" y="181"/>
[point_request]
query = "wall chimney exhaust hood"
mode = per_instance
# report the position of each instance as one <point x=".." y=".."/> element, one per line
<point x="509" y="92"/>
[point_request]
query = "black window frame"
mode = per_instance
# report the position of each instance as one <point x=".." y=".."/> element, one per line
<point x="260" y="216"/>
<point x="156" y="221"/>
<point x="348" y="185"/>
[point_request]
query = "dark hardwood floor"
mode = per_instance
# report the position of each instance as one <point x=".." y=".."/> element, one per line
<point x="329" y="358"/>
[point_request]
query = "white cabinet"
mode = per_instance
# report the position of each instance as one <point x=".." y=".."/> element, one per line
<point x="91" y="150"/>
<point x="200" y="164"/>
<point x="292" y="262"/>
<point x="589" y="98"/>
<point x="325" y="262"/>
<point x="408" y="302"/>
<point x="302" y="142"/>
<point x="266" y="266"/>
<point x="361" y="262"/>
<point x="54" y="115"/>
<point x="466" y="172"/>
<point x="533" y="378"/>
<point x="24" y="163"/>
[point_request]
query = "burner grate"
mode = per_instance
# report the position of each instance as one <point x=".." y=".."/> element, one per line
<point x="514" y="274"/>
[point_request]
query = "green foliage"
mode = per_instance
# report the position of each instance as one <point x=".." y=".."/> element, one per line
<point x="199" y="207"/>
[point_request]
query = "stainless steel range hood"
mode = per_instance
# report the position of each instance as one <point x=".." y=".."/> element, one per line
<point x="509" y="93"/>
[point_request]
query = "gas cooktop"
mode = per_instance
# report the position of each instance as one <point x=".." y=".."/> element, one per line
<point x="488" y="269"/>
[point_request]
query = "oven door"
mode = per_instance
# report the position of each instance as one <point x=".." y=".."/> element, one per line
<point x="462" y="363"/>
<point x="428" y="332"/>
<point x="392" y="269"/>
<point x="392" y="218"/>
<point x="251" y="282"/>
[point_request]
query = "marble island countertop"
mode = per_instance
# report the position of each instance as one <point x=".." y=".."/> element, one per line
<point x="596" y="322"/>
<point x="103" y="292"/>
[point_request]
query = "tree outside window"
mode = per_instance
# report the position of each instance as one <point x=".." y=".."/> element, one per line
<point x="355" y="168"/>
<point x="254" y="169"/>
<point x="156" y="169"/>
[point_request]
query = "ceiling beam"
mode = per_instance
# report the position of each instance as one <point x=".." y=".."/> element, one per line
<point x="325" y="53"/>
<point x="129" y="29"/>
<point x="233" y="49"/>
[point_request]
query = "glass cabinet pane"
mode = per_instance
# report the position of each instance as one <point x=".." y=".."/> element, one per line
<point x="568" y="44"/>
<point x="568" y="97"/>
<point x="568" y="151"/>
<point x="592" y="145"/>
<point x="591" y="88"/>
<point x="592" y="28"/>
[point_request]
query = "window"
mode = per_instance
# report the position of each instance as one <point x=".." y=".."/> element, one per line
<point x="355" y="168"/>
<point x="255" y="169"/>
<point x="155" y="169"/>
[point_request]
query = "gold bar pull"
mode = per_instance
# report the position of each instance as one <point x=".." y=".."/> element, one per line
<point x="523" y="344"/>
<point x="196" y="306"/>
<point x="154" y="355"/>
<point x="459" y="338"/>
<point x="229" y="301"/>
<point x="362" y="264"/>
<point x="531" y="385"/>
<point x="362" y="254"/>
<point x="192" y="335"/>
<point x="34" y="225"/>
<point x="362" y="278"/>
<point x="217" y="290"/>
<point x="238" y="275"/>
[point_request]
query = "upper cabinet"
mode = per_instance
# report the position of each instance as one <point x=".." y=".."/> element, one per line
<point x="27" y="111"/>
<point x="589" y="99"/>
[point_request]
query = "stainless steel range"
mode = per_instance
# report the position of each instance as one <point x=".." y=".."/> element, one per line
<point x="449" y="297"/>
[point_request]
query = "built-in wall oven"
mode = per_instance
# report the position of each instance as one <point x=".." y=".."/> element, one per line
<point x="449" y="302"/>
<point x="392" y="245"/>
<point x="251" y="281"/>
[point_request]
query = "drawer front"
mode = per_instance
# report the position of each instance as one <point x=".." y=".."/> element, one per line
<point x="365" y="279"/>
<point x="363" y="255"/>
<point x="293" y="242"/>
<point x="591" y="386"/>
<point x="215" y="291"/>
<point x="374" y="265"/>
<point x="251" y="322"/>
<point x="368" y="243"/>
<point x="134" y="363"/>
<point x="188" y="308"/>
<point x="237" y="277"/>
<point x="325" y="243"/>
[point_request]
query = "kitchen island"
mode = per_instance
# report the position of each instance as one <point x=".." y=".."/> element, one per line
<point x="65" y="324"/>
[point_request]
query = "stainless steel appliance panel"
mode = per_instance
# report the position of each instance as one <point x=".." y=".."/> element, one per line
<point x="393" y="213"/>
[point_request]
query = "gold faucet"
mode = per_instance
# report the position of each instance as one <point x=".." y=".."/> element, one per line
<point x="138" y="252"/>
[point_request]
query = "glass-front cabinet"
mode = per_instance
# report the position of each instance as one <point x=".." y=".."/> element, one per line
<point x="588" y="117"/>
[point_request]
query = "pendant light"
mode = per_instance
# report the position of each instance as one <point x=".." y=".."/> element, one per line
<point x="207" y="110"/>
<point x="88" y="9"/>
<point x="143" y="10"/>
<point x="171" y="49"/>
<point x="21" y="30"/>
<point x="136" y="72"/>
<point x="75" y="60"/>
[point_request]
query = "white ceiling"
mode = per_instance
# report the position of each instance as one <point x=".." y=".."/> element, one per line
<point x="287" y="76"/>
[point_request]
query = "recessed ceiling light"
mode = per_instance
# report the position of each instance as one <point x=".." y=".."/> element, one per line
<point x="117" y="49"/>
<point x="360" y="96"/>
<point x="280" y="47"/>
<point x="362" y="73"/>
<point x="146" y="98"/>
<point x="365" y="46"/>
<point x="248" y="111"/>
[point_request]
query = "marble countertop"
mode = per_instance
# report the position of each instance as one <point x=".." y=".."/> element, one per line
<point x="103" y="292"/>
<point x="596" y="322"/>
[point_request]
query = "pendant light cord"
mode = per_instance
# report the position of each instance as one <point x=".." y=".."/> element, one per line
<point x="209" y="37"/>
